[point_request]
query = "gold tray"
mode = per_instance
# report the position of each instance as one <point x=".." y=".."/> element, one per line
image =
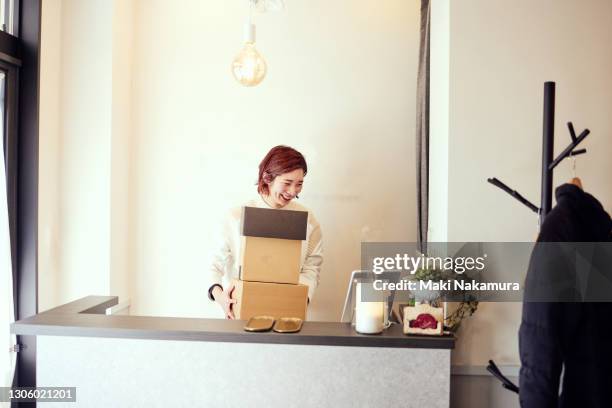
<point x="288" y="325"/>
<point x="259" y="324"/>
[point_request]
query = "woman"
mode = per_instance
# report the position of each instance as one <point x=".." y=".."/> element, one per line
<point x="281" y="176"/>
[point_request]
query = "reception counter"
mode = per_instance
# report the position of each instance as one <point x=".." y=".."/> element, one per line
<point x="133" y="361"/>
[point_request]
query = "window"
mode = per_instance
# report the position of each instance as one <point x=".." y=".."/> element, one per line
<point x="8" y="18"/>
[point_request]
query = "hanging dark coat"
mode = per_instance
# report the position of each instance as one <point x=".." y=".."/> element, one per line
<point x="572" y="336"/>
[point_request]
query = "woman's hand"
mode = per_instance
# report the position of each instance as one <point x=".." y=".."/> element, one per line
<point x="224" y="298"/>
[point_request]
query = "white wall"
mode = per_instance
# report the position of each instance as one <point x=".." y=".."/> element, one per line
<point x="48" y="158"/>
<point x="501" y="53"/>
<point x="439" y="120"/>
<point x="121" y="243"/>
<point x="340" y="88"/>
<point x="84" y="148"/>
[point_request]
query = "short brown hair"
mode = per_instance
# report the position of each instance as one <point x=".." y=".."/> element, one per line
<point x="279" y="160"/>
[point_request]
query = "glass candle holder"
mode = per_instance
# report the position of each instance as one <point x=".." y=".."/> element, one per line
<point x="369" y="316"/>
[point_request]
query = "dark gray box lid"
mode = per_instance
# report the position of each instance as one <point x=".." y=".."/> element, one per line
<point x="271" y="223"/>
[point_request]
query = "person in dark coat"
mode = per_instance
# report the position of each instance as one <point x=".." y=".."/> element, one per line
<point x="570" y="337"/>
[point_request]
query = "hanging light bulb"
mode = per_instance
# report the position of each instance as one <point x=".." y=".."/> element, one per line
<point x="249" y="67"/>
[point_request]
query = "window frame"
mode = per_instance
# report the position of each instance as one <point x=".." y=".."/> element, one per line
<point x="20" y="58"/>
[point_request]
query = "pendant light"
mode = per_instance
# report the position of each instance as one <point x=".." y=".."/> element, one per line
<point x="249" y="67"/>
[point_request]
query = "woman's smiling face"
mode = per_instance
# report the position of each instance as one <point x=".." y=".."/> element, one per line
<point x="285" y="187"/>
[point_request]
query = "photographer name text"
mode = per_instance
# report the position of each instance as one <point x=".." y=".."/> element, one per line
<point x="442" y="285"/>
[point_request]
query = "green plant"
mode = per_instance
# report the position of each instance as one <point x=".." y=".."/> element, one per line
<point x="423" y="274"/>
<point x="431" y="296"/>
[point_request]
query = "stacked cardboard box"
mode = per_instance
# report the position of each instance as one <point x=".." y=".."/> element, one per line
<point x="270" y="264"/>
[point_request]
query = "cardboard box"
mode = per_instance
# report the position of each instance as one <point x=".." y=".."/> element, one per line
<point x="270" y="260"/>
<point x="272" y="223"/>
<point x="271" y="299"/>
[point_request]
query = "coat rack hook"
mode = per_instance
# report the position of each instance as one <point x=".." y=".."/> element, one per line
<point x="513" y="193"/>
<point x="570" y="126"/>
<point x="565" y="153"/>
<point x="577" y="152"/>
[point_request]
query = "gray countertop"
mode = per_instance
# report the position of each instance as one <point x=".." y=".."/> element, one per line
<point x="85" y="317"/>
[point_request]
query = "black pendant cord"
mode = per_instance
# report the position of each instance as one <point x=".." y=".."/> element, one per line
<point x="548" y="164"/>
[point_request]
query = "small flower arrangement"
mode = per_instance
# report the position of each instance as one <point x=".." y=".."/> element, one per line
<point x="466" y="307"/>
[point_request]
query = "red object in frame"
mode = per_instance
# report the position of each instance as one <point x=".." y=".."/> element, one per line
<point x="424" y="321"/>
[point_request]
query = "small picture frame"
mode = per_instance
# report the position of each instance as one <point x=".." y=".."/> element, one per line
<point x="427" y="313"/>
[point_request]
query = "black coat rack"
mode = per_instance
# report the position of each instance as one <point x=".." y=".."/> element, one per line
<point x="548" y="164"/>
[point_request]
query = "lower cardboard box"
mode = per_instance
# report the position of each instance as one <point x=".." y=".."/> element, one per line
<point x="271" y="299"/>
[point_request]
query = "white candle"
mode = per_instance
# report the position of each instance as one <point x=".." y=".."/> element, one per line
<point x="368" y="315"/>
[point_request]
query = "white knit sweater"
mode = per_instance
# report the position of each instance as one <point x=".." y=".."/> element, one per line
<point x="225" y="263"/>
